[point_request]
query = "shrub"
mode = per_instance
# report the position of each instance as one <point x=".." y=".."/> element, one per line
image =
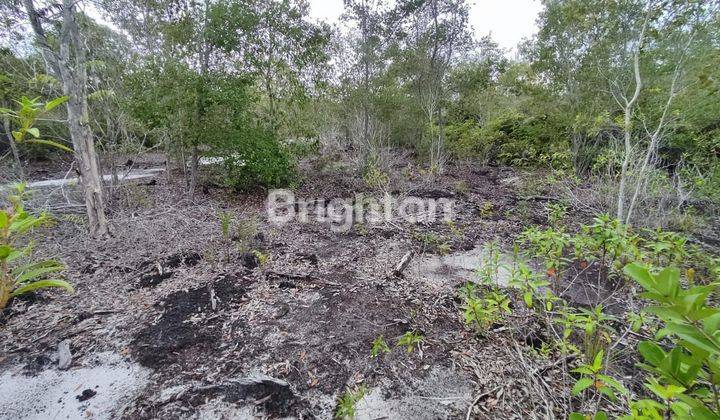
<point x="17" y="279"/>
<point x="254" y="158"/>
<point x="686" y="375"/>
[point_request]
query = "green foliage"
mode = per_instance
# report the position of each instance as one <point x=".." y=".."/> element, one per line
<point x="18" y="278"/>
<point x="225" y="219"/>
<point x="254" y="158"/>
<point x="486" y="210"/>
<point x="375" y="177"/>
<point x="532" y="287"/>
<point x="685" y="376"/>
<point x="482" y="312"/>
<point x="346" y="407"/>
<point x="379" y="346"/>
<point x="594" y="327"/>
<point x="591" y="377"/>
<point x="556" y="214"/>
<point x="433" y="242"/>
<point x="410" y="340"/>
<point x="30" y="110"/>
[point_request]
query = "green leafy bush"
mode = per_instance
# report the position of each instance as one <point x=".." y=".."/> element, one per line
<point x="410" y="340"/>
<point x="19" y="278"/>
<point x="346" y="407"/>
<point x="254" y="158"/>
<point x="686" y="374"/>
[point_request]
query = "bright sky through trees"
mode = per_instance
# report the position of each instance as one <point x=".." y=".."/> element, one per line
<point x="509" y="21"/>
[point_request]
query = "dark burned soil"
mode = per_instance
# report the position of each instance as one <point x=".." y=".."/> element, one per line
<point x="218" y="331"/>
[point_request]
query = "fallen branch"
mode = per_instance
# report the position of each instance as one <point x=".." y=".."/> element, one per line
<point x="402" y="265"/>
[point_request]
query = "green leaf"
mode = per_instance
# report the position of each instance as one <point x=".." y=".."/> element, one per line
<point x="693" y="336"/>
<point x="24" y="222"/>
<point x="54" y="103"/>
<point x="34" y="131"/>
<point x="608" y="392"/>
<point x="51" y="143"/>
<point x="584" y="369"/>
<point x="641" y="275"/>
<point x="668" y="281"/>
<point x="19" y="253"/>
<point x="597" y="362"/>
<point x="41" y="285"/>
<point x="527" y="297"/>
<point x="652" y="353"/>
<point x="5" y="251"/>
<point x="581" y="385"/>
<point x="35" y="270"/>
<point x="3" y="219"/>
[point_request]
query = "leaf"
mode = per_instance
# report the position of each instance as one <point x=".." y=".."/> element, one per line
<point x="527" y="297"/>
<point x="55" y="102"/>
<point x="608" y="392"/>
<point x="641" y="275"/>
<point x="41" y="285"/>
<point x="597" y="362"/>
<point x="19" y="253"/>
<point x="584" y="369"/>
<point x="581" y="385"/>
<point x="34" y="131"/>
<point x="24" y="222"/>
<point x="668" y="281"/>
<point x="652" y="353"/>
<point x="693" y="336"/>
<point x="5" y="251"/>
<point x="3" y="219"/>
<point x="51" y="143"/>
<point x="33" y="271"/>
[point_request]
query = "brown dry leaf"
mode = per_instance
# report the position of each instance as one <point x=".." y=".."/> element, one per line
<point x="583" y="264"/>
<point x="551" y="272"/>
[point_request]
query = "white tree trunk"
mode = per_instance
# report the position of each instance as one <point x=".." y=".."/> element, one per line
<point x="69" y="67"/>
<point x="627" y="121"/>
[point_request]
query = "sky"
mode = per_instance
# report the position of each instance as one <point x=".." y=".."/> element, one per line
<point x="509" y="21"/>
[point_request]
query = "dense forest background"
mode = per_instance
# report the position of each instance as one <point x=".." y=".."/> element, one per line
<point x="621" y="97"/>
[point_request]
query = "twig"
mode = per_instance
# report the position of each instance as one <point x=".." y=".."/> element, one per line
<point x="478" y="398"/>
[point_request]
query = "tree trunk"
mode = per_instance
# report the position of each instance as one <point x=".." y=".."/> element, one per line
<point x="203" y="58"/>
<point x="69" y="67"/>
<point x="627" y="121"/>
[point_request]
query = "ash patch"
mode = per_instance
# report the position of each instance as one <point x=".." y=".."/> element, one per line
<point x="272" y="396"/>
<point x="158" y="271"/>
<point x="188" y="326"/>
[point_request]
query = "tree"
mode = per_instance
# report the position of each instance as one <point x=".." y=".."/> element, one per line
<point x="68" y="64"/>
<point x="435" y="32"/>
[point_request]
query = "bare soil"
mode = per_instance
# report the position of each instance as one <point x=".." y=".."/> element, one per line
<point x="223" y="335"/>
